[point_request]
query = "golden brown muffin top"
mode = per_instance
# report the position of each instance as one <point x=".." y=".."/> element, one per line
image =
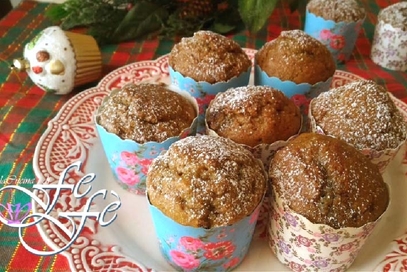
<point x="146" y="112"/>
<point x="210" y="57"/>
<point x="328" y="182"/>
<point x="362" y="114"/>
<point x="253" y="115"/>
<point x="296" y="56"/>
<point x="395" y="15"/>
<point x="206" y="181"/>
<point x="337" y="10"/>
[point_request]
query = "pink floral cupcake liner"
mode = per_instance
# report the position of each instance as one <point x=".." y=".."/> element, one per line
<point x="389" y="47"/>
<point x="304" y="246"/>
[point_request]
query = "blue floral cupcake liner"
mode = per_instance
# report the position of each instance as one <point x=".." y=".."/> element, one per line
<point x="197" y="249"/>
<point x="288" y="87"/>
<point x="129" y="161"/>
<point x="338" y="37"/>
<point x="204" y="92"/>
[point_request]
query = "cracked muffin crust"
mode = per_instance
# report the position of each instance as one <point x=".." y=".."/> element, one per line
<point x="328" y="181"/>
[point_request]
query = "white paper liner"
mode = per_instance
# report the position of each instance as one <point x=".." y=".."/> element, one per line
<point x="388" y="47"/>
<point x="304" y="246"/>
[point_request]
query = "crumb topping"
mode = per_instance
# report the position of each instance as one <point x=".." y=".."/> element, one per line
<point x="206" y="181"/>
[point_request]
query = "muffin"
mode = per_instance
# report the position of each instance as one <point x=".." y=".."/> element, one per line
<point x="295" y="63"/>
<point x="57" y="60"/>
<point x="363" y="114"/>
<point x="209" y="57"/>
<point x="390" y="36"/>
<point x="336" y="23"/>
<point x="205" y="190"/>
<point x="206" y="64"/>
<point x="337" y="10"/>
<point x="137" y="122"/>
<point x="253" y="115"/>
<point x="146" y="112"/>
<point x="327" y="198"/>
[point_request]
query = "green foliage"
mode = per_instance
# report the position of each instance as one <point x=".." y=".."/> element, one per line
<point x="255" y="13"/>
<point x="142" y="19"/>
<point x="112" y="21"/>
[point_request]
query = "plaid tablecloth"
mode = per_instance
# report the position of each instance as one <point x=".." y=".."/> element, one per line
<point x="25" y="109"/>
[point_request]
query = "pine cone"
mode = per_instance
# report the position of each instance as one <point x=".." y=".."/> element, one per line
<point x="196" y="9"/>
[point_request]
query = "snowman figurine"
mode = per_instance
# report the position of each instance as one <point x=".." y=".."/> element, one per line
<point x="57" y="60"/>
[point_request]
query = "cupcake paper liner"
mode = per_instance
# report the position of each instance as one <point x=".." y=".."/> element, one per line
<point x="388" y="47"/>
<point x="290" y="88"/>
<point x="338" y="37"/>
<point x="381" y="158"/>
<point x="88" y="58"/>
<point x="204" y="92"/>
<point x="197" y="249"/>
<point x="304" y="246"/>
<point x="129" y="161"/>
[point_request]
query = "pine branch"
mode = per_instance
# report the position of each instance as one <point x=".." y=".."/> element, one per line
<point x="112" y="21"/>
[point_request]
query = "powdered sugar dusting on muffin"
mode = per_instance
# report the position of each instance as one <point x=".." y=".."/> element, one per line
<point x="337" y="10"/>
<point x="328" y="181"/>
<point x="362" y="114"/>
<point x="253" y="115"/>
<point x="210" y="57"/>
<point x="235" y="97"/>
<point x="146" y="112"/>
<point x="206" y="181"/>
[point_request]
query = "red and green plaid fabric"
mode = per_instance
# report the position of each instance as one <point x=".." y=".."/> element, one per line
<point x="25" y="109"/>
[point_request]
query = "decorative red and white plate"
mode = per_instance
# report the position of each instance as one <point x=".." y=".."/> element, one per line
<point x="129" y="244"/>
